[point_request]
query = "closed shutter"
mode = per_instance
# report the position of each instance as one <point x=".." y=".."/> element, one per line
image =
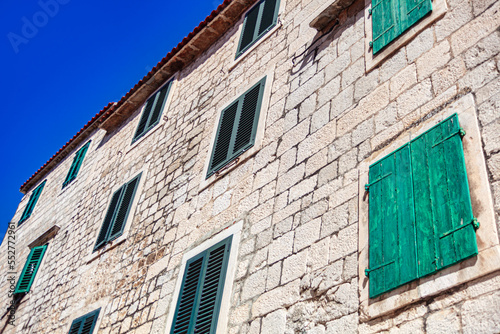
<point x="76" y="164"/>
<point x="392" y="249"/>
<point x="32" y="202"/>
<point x="30" y="269"/>
<point x="446" y="225"/>
<point x="124" y="209"/>
<point x="152" y="111"/>
<point x="108" y="219"/>
<point x="390" y="18"/>
<point x="237" y="128"/>
<point x="258" y="21"/>
<point x="201" y="292"/>
<point x="85" y="324"/>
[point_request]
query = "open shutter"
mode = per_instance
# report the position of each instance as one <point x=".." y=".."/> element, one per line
<point x="76" y="164"/>
<point x="124" y="208"/>
<point x="450" y="217"/>
<point x="269" y="16"/>
<point x="248" y="31"/>
<point x="85" y="324"/>
<point x="32" y="202"/>
<point x="392" y="252"/>
<point x="160" y="102"/>
<point x="412" y="11"/>
<point x="30" y="269"/>
<point x="141" y="127"/>
<point x="110" y="214"/>
<point x="385" y="22"/>
<point x="183" y="321"/>
<point x="212" y="288"/>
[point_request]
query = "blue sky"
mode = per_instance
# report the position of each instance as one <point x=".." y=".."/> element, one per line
<point x="62" y="61"/>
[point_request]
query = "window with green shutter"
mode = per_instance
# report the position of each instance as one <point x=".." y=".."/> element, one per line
<point x="152" y="111"/>
<point x="258" y="21"/>
<point x="76" y="164"/>
<point x="85" y="324"/>
<point x="420" y="213"/>
<point x="30" y="269"/>
<point x="28" y="210"/>
<point x="391" y="18"/>
<point x="200" y="295"/>
<point x="237" y="128"/>
<point x="118" y="211"/>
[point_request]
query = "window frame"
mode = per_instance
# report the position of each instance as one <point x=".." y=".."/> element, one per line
<point x="488" y="258"/>
<point x="28" y="212"/>
<point x="439" y="8"/>
<point x="234" y="231"/>
<point x="69" y="179"/>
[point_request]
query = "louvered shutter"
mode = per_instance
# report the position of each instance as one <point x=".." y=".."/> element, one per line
<point x="76" y="164"/>
<point x="160" y="103"/>
<point x="248" y="31"/>
<point x="32" y="202"/>
<point x="237" y="128"/>
<point x="85" y="324"/>
<point x="392" y="250"/>
<point x="108" y="219"/>
<point x="141" y="127"/>
<point x="124" y="208"/>
<point x="269" y="16"/>
<point x="199" y="301"/>
<point x="446" y="233"/>
<point x="30" y="269"/>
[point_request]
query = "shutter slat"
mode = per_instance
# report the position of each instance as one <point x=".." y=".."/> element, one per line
<point x="124" y="208"/>
<point x="30" y="269"/>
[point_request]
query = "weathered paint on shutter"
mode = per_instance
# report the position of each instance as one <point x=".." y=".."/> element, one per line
<point x="212" y="288"/>
<point x="30" y="269"/>
<point x="85" y="324"/>
<point x="108" y="219"/>
<point x="76" y="164"/>
<point x="392" y="253"/>
<point x="182" y="321"/>
<point x="451" y="215"/>
<point x="412" y="11"/>
<point x="385" y="22"/>
<point x="124" y="208"/>
<point x="35" y="195"/>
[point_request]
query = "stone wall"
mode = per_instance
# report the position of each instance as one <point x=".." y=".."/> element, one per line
<point x="297" y="262"/>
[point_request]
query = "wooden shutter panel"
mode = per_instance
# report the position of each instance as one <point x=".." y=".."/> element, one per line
<point x="269" y="16"/>
<point x="445" y="226"/>
<point x="124" y="208"/>
<point x="392" y="252"/>
<point x="32" y="202"/>
<point x="141" y="127"/>
<point x="30" y="269"/>
<point x="185" y="306"/>
<point x="76" y="164"/>
<point x="108" y="219"/>
<point x="85" y="324"/>
<point x="385" y="22"/>
<point x="158" y="108"/>
<point x="212" y="288"/>
<point x="412" y="11"/>
<point x="248" y="31"/>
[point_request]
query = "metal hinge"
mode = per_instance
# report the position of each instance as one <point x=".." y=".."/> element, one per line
<point x="460" y="132"/>
<point x="368" y="185"/>
<point x="368" y="271"/>
<point x="474" y="223"/>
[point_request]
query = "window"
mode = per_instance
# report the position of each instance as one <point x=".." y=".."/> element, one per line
<point x="32" y="202"/>
<point x="152" y="111"/>
<point x="258" y="21"/>
<point x="30" y="268"/>
<point x="420" y="213"/>
<point x="76" y="164"/>
<point x="200" y="295"/>
<point x="237" y="128"/>
<point x="118" y="210"/>
<point x="85" y="324"/>
<point x="390" y="18"/>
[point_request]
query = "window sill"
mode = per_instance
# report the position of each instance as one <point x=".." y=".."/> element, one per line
<point x="147" y="135"/>
<point x="439" y="8"/>
<point x="108" y="247"/>
<point x="488" y="258"/>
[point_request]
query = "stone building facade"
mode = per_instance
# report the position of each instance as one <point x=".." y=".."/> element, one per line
<point x="294" y="204"/>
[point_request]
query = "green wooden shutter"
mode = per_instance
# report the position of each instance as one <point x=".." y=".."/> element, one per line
<point x="108" y="219"/>
<point x="237" y="128"/>
<point x="85" y="324"/>
<point x="30" y="269"/>
<point x="392" y="251"/>
<point x="125" y="203"/>
<point x="28" y="210"/>
<point x="152" y="111"/>
<point x="445" y="222"/>
<point x="76" y="164"/>
<point x="199" y="302"/>
<point x="258" y="21"/>
<point x="390" y="18"/>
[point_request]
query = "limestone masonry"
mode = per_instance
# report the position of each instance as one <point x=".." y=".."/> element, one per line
<point x="294" y="166"/>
